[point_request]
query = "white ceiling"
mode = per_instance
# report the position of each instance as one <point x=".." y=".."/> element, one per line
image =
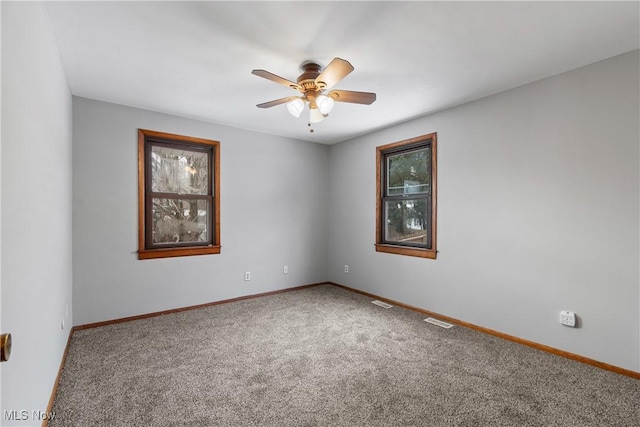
<point x="194" y="59"/>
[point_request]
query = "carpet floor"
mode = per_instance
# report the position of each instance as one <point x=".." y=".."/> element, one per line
<point x="325" y="356"/>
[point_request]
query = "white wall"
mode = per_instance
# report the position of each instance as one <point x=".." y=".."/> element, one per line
<point x="273" y="213"/>
<point x="538" y="211"/>
<point x="36" y="208"/>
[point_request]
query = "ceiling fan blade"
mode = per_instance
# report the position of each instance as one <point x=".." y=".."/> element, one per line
<point x="353" y="96"/>
<point x="337" y="70"/>
<point x="277" y="79"/>
<point x="276" y="102"/>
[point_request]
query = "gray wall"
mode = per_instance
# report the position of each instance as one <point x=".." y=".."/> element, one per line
<point x="274" y="206"/>
<point x="537" y="212"/>
<point x="36" y="208"/>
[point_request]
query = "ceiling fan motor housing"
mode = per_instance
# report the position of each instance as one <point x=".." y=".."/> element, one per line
<point x="307" y="80"/>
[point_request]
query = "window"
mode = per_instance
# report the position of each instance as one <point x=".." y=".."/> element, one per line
<point x="406" y="197"/>
<point x="178" y="195"/>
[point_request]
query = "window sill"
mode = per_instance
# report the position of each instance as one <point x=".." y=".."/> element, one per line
<point x="177" y="252"/>
<point x="403" y="250"/>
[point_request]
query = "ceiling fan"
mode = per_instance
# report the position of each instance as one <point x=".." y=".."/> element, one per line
<point x="312" y="84"/>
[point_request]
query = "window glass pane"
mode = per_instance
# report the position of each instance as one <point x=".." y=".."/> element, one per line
<point x="406" y="221"/>
<point x="409" y="172"/>
<point x="180" y="220"/>
<point x="179" y="171"/>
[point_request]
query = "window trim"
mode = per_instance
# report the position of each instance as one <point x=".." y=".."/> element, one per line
<point x="151" y="253"/>
<point x="381" y="245"/>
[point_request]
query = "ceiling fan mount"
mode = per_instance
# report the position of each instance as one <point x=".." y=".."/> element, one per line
<point x="312" y="84"/>
<point x="310" y="71"/>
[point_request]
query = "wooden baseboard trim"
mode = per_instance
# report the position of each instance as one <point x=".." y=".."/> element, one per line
<point x="45" y="422"/>
<point x="542" y="347"/>
<point x="545" y="348"/>
<point x="191" y="307"/>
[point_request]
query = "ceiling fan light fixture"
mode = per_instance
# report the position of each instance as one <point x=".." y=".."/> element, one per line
<point x="315" y="115"/>
<point x="295" y="107"/>
<point x="311" y="84"/>
<point x="324" y="103"/>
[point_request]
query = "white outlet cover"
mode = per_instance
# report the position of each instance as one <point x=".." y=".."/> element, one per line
<point x="568" y="318"/>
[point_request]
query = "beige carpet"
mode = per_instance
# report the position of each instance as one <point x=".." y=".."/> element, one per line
<point x="325" y="356"/>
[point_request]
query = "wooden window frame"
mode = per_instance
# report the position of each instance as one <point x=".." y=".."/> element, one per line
<point x="381" y="245"/>
<point x="145" y="250"/>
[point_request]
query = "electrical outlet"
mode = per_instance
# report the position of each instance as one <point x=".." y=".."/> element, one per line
<point x="247" y="275"/>
<point x="285" y="269"/>
<point x="346" y="268"/>
<point x="568" y="318"/>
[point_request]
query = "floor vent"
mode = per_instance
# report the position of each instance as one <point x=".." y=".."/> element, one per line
<point x="438" y="322"/>
<point x="381" y="304"/>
